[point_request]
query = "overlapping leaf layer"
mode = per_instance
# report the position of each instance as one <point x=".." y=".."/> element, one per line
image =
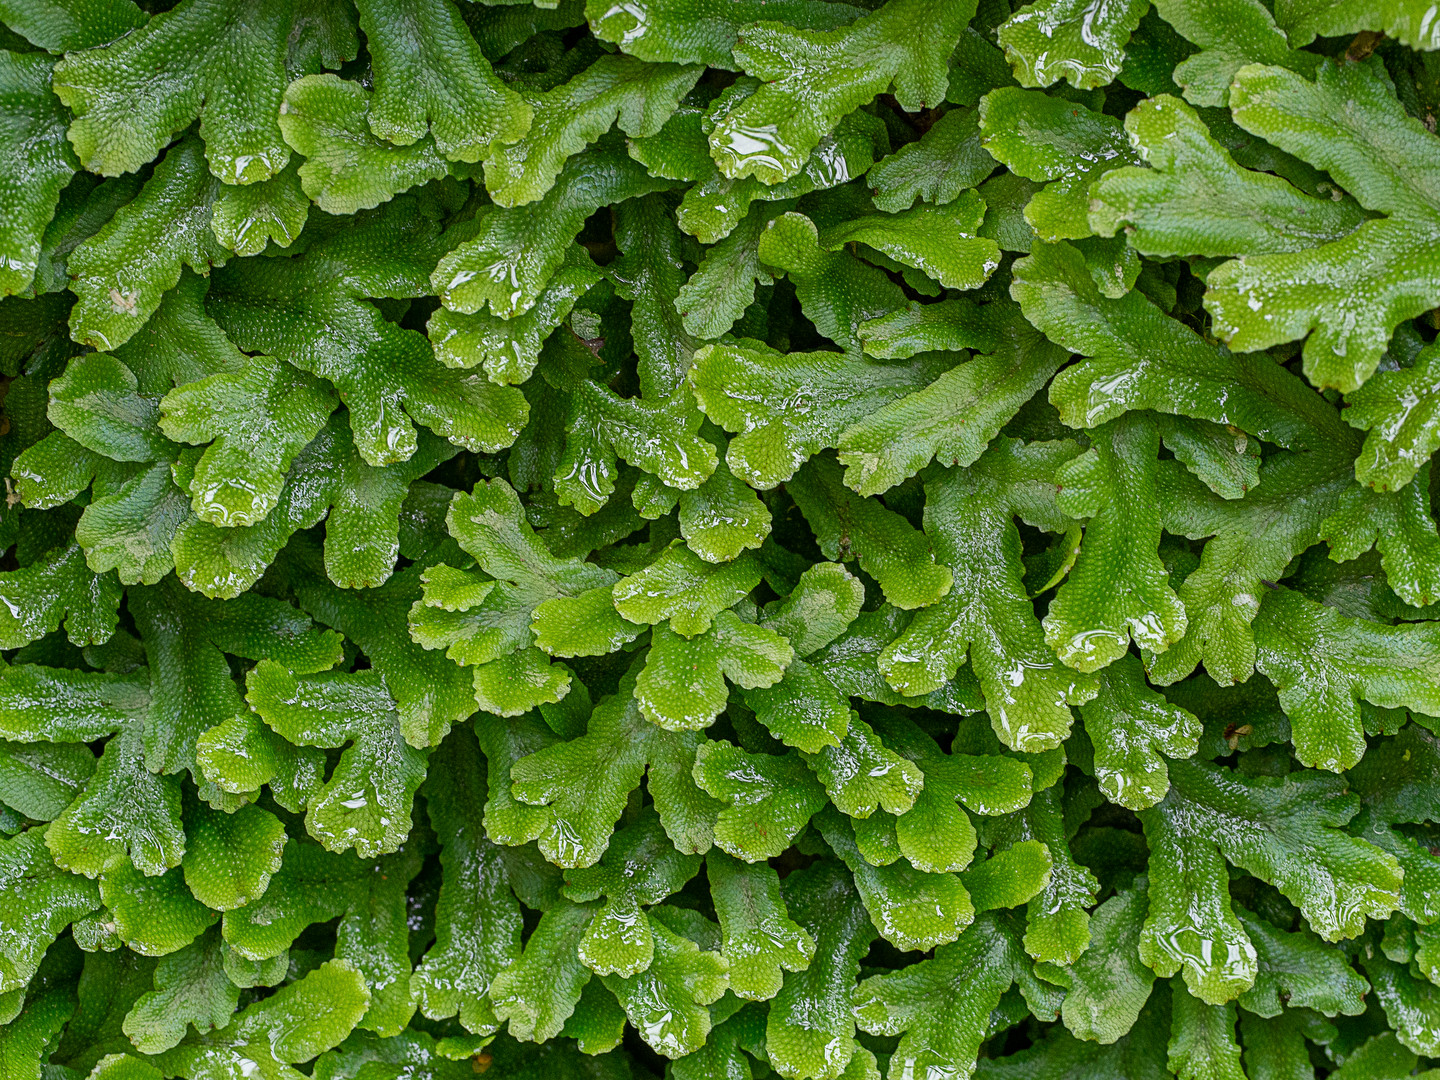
<point x="719" y="539"/>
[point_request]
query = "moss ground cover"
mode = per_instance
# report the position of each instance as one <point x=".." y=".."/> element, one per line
<point x="718" y="539"/>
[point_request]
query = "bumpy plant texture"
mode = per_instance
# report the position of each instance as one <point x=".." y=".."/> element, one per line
<point x="719" y="539"/>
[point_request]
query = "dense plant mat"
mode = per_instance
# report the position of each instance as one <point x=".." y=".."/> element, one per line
<point x="719" y="538"/>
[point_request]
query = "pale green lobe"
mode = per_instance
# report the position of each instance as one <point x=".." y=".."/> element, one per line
<point x="810" y="1028"/>
<point x="1143" y="359"/>
<point x="666" y="1002"/>
<point x="1287" y="831"/>
<point x="862" y="774"/>
<point x="1194" y="199"/>
<point x="191" y="987"/>
<point x="38" y="901"/>
<point x="1045" y="138"/>
<point x="1400" y="525"/>
<point x="1203" y="1044"/>
<point x="681" y="587"/>
<point x="537" y="993"/>
<point x="987" y="616"/>
<point x="53" y="471"/>
<point x="1082" y="41"/>
<point x="57" y="588"/>
<point x="191" y="685"/>
<point x="1108" y="985"/>
<point x="940" y="241"/>
<point x="617" y="89"/>
<point x="223" y="61"/>
<point x="504" y="742"/>
<point x="482" y="618"/>
<point x="936" y="168"/>
<point x="242" y="754"/>
<point x="598" y="1022"/>
<point x="347" y="167"/>
<point x="935" y="834"/>
<point x="246" y="219"/>
<point x="660" y="437"/>
<point x="509" y="349"/>
<point x="1412" y="1005"/>
<point x="724" y="517"/>
<point x="700" y="31"/>
<point x="1057" y="918"/>
<point x="1399" y="411"/>
<point x="782" y="409"/>
<point x="1230" y="34"/>
<point x="813" y="78"/>
<point x="579" y="788"/>
<point x="41" y="779"/>
<point x="430" y="693"/>
<point x="313" y="310"/>
<point x="823" y="604"/>
<point x="229" y="858"/>
<point x="585" y="625"/>
<point x="1009" y="878"/>
<point x="66" y="25"/>
<point x="1348" y="123"/>
<point x="715" y="204"/>
<point x="761" y="941"/>
<point x="126" y="814"/>
<point x="1118" y="589"/>
<point x="33" y="1024"/>
<point x="1134" y="730"/>
<point x="1297" y="970"/>
<point x="770" y="799"/>
<point x="650" y="273"/>
<point x="887" y="546"/>
<point x="1323" y="664"/>
<point x="1225" y="459"/>
<point x="311" y="886"/>
<point x="723" y="285"/>
<point x="912" y="909"/>
<point x="1191" y="927"/>
<point x="374" y="935"/>
<point x="956" y="416"/>
<point x="431" y="77"/>
<point x="328" y="479"/>
<point x="98" y="404"/>
<point x="153" y="916"/>
<point x="477" y="920"/>
<point x="515" y="252"/>
<point x="120" y="272"/>
<point x="129" y="528"/>
<point x="805" y="709"/>
<point x="38" y="163"/>
<point x="256" y="421"/>
<point x="296" y="1023"/>
<point x="1269" y="299"/>
<point x="682" y="687"/>
<point x="1137" y="1056"/>
<point x="941" y="1007"/>
<point x="1407" y="21"/>
<point x="43" y="704"/>
<point x="366" y="802"/>
<point x="837" y="291"/>
<point x="639" y="869"/>
<point x="1253" y="540"/>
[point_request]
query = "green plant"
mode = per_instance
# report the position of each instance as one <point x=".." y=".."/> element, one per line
<point x="719" y="538"/>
